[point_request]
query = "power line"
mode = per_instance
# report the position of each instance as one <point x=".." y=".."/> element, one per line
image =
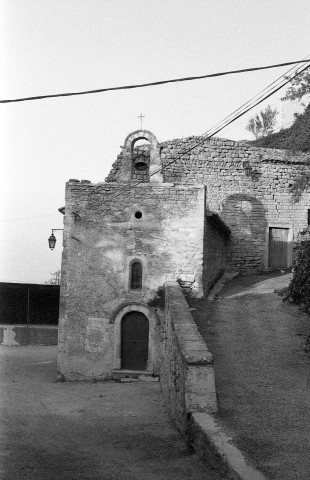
<point x="242" y="121"/>
<point x="263" y="92"/>
<point x="150" y="84"/>
<point x="25" y="218"/>
<point x="245" y="108"/>
<point x="282" y="81"/>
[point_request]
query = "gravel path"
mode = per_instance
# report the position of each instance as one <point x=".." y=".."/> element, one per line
<point x="262" y="373"/>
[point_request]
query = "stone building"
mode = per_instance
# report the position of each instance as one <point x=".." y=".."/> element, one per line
<point x="183" y="210"/>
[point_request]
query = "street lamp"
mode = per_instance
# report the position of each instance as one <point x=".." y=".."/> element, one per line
<point x="52" y="238"/>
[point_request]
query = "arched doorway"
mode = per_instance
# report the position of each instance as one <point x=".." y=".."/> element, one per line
<point x="134" y="341"/>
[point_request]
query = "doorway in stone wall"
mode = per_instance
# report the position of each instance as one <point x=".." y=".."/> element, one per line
<point x="134" y="341"/>
<point x="279" y="247"/>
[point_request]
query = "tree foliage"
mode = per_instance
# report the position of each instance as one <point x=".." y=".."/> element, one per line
<point x="299" y="87"/>
<point x="55" y="278"/>
<point x="295" y="138"/>
<point x="263" y="124"/>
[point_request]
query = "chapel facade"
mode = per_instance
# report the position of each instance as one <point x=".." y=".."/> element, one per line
<point x="183" y="210"/>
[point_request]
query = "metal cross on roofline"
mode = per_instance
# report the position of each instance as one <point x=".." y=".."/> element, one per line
<point x="141" y="116"/>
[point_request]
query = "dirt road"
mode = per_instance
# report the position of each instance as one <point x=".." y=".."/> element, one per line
<point x="262" y="373"/>
<point x="80" y="431"/>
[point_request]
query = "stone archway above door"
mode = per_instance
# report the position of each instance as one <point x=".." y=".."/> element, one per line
<point x="152" y="319"/>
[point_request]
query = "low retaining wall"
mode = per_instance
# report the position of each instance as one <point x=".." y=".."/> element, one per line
<point x="187" y="375"/>
<point x="187" y="382"/>
<point x="19" y="335"/>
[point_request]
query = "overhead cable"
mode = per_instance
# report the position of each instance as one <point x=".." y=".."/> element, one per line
<point x="281" y="82"/>
<point x="150" y="84"/>
<point x="25" y="218"/>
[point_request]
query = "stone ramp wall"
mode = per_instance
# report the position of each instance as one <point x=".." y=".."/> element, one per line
<point x="187" y="375"/>
<point x="188" y="386"/>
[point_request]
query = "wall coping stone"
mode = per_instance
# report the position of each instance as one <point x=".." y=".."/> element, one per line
<point x="215" y="447"/>
<point x="192" y="346"/>
<point x="133" y="183"/>
<point x="272" y="155"/>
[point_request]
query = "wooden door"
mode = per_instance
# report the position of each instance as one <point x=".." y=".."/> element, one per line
<point x="134" y="341"/>
<point x="278" y="247"/>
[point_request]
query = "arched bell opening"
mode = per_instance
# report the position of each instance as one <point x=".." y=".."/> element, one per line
<point x="140" y="155"/>
<point x="142" y="152"/>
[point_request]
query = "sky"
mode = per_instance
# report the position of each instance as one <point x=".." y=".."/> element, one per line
<point x="56" y="46"/>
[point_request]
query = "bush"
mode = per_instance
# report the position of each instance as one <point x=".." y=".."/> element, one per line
<point x="158" y="301"/>
<point x="299" y="288"/>
<point x="294" y="138"/>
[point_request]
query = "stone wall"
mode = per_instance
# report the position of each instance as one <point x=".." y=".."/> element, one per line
<point x="248" y="187"/>
<point x="175" y="226"/>
<point x="188" y="386"/>
<point x="186" y="374"/>
<point x="102" y="236"/>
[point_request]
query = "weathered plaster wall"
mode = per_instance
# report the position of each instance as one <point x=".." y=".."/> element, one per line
<point x="186" y="375"/>
<point x="101" y="237"/>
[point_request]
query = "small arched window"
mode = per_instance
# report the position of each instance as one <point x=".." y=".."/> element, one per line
<point x="136" y="276"/>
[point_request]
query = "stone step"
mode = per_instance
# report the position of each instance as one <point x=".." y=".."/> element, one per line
<point x="119" y="374"/>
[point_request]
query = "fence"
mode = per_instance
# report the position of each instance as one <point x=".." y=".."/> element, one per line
<point x="29" y="304"/>
<point x="28" y="314"/>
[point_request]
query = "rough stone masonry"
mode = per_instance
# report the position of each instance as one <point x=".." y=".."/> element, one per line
<point x="223" y="204"/>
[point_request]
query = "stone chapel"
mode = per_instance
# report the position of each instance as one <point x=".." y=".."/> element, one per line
<point x="182" y="210"/>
